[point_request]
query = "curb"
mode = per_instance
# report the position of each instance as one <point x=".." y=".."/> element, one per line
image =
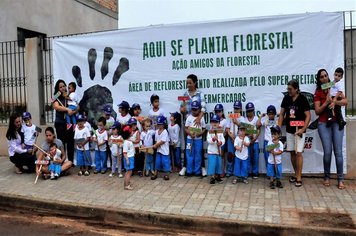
<point x="200" y="224"/>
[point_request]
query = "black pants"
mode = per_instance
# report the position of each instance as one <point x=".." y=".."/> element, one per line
<point x="139" y="160"/>
<point x="67" y="138"/>
<point x="24" y="159"/>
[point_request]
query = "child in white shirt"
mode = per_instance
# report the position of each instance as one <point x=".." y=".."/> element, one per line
<point x="242" y="142"/>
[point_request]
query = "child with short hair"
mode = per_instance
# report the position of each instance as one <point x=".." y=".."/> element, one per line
<point x="232" y="130"/>
<point x="336" y="92"/>
<point x="242" y="142"/>
<point x="29" y="131"/>
<point x="123" y="116"/>
<point x="194" y="144"/>
<point x="163" y="162"/>
<point x="73" y="101"/>
<point x="135" y="112"/>
<point x="55" y="156"/>
<point x="82" y="137"/>
<point x="147" y="141"/>
<point x="107" y="113"/>
<point x="115" y="143"/>
<point x="135" y="139"/>
<point x="173" y="132"/>
<point x="215" y="140"/>
<point x="267" y="120"/>
<point x="274" y="166"/>
<point x="100" y="137"/>
<point x="155" y="110"/>
<point x="253" y="150"/>
<point x="129" y="156"/>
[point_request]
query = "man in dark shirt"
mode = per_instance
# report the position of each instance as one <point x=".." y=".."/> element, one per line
<point x="295" y="107"/>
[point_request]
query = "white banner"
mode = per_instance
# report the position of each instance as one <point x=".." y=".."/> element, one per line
<point x="248" y="59"/>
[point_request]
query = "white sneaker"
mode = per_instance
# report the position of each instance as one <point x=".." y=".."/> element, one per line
<point x="182" y="171"/>
<point x="120" y="175"/>
<point x="203" y="172"/>
<point x="56" y="175"/>
<point x="111" y="175"/>
<point x="52" y="176"/>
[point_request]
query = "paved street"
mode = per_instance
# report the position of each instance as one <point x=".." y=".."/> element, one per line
<point x="254" y="202"/>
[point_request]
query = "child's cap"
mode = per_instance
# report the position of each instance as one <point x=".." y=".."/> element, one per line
<point x="132" y="121"/>
<point x="218" y="107"/>
<point x="80" y="118"/>
<point x="161" y="120"/>
<point x="26" y="115"/>
<point x="196" y="105"/>
<point x="175" y="115"/>
<point x="271" y="109"/>
<point x="124" y="104"/>
<point x="107" y="109"/>
<point x="275" y="129"/>
<point x="154" y="97"/>
<point x="135" y="105"/>
<point x="215" y="118"/>
<point x="250" y="107"/>
<point x="116" y="125"/>
<point x="237" y="105"/>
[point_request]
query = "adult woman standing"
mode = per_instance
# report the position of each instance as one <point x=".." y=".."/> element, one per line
<point x="185" y="108"/>
<point x="60" y="105"/>
<point x="50" y="139"/>
<point x="331" y="137"/>
<point x="295" y="107"/>
<point x="18" y="154"/>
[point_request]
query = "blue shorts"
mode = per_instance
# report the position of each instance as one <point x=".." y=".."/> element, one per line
<point x="163" y="162"/>
<point x="132" y="163"/>
<point x="83" y="159"/>
<point x="214" y="164"/>
<point x="230" y="145"/>
<point x="271" y="171"/>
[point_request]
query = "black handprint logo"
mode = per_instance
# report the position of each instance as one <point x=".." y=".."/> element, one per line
<point x="96" y="97"/>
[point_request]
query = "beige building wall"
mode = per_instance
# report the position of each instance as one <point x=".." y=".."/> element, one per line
<point x="56" y="17"/>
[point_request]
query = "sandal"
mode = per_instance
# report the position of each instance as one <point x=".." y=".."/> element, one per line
<point x="341" y="185"/>
<point x="234" y="181"/>
<point x="18" y="171"/>
<point x="326" y="183"/>
<point x="298" y="183"/>
<point x="292" y="179"/>
<point x="128" y="187"/>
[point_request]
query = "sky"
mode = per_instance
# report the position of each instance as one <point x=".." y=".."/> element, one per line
<point x="137" y="13"/>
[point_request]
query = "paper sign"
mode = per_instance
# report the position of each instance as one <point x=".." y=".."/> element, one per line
<point x="194" y="129"/>
<point x="247" y="126"/>
<point x="41" y="162"/>
<point x="140" y="118"/>
<point x="234" y="115"/>
<point x="327" y="85"/>
<point x="272" y="146"/>
<point x="79" y="140"/>
<point x="147" y="150"/>
<point x="117" y="141"/>
<point x="183" y="98"/>
<point x="296" y="123"/>
<point x="218" y="131"/>
<point x="38" y="129"/>
<point x="251" y="131"/>
<point x="56" y="96"/>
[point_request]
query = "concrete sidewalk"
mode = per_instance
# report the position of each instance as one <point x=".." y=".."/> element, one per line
<point x="310" y="206"/>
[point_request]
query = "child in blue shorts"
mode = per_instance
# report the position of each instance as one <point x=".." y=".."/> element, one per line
<point x="163" y="161"/>
<point x="215" y="139"/>
<point x="242" y="142"/>
<point x="82" y="137"/>
<point x="274" y="166"/>
<point x="128" y="151"/>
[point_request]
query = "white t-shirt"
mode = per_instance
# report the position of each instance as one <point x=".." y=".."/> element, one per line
<point x="147" y="138"/>
<point x="234" y="129"/>
<point x="139" y="126"/>
<point x="153" y="116"/>
<point x="129" y="148"/>
<point x="212" y="146"/>
<point x="336" y="88"/>
<point x="267" y="123"/>
<point x="277" y="157"/>
<point x="252" y="122"/>
<point x="101" y="137"/>
<point x="82" y="133"/>
<point x="29" y="133"/>
<point x="87" y="125"/>
<point x="74" y="99"/>
<point x="190" y="123"/>
<point x="123" y="119"/>
<point x="164" y="148"/>
<point x="133" y="138"/>
<point x="223" y="124"/>
<point x="115" y="148"/>
<point x="58" y="155"/>
<point x="173" y="132"/>
<point x="242" y="155"/>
